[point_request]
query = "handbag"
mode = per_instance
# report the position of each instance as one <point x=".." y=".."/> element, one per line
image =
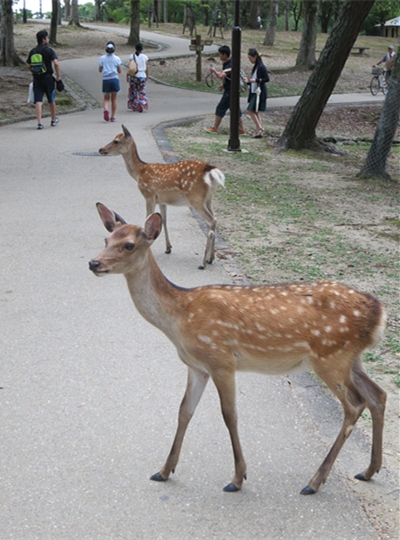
<point x="31" y="96"/>
<point x="132" y="68"/>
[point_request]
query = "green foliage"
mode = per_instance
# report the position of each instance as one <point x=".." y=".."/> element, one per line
<point x="381" y="11"/>
<point x="86" y="10"/>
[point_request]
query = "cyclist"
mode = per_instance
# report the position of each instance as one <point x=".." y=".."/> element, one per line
<point x="388" y="60"/>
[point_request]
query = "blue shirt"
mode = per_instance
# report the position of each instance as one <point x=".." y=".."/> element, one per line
<point x="110" y="64"/>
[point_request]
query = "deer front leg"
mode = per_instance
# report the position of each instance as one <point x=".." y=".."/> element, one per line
<point x="196" y="383"/>
<point x="208" y="216"/>
<point x="163" y="212"/>
<point x="225" y="383"/>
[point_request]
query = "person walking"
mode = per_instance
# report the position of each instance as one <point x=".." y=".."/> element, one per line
<point x="257" y="100"/>
<point x="110" y="67"/>
<point x="40" y="62"/>
<point x="388" y="60"/>
<point x="224" y="104"/>
<point x="137" y="97"/>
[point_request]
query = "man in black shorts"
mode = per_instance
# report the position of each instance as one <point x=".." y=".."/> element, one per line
<point x="43" y="83"/>
<point x="224" y="104"/>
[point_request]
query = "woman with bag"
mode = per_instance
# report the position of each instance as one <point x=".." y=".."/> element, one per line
<point x="257" y="100"/>
<point x="137" y="98"/>
<point x="110" y="67"/>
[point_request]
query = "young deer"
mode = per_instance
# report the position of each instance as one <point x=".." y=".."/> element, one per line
<point x="187" y="183"/>
<point x="273" y="329"/>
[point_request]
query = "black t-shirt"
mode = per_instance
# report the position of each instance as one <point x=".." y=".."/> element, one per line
<point x="227" y="80"/>
<point x="48" y="55"/>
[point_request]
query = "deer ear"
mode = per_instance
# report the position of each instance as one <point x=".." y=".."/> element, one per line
<point x="106" y="216"/>
<point x="153" y="226"/>
<point x="127" y="135"/>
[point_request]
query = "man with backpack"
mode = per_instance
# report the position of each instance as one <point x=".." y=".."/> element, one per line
<point x="40" y="63"/>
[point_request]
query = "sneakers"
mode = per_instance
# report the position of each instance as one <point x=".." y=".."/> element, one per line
<point x="106" y="115"/>
<point x="40" y="126"/>
<point x="112" y="119"/>
<point x="54" y="122"/>
<point x="211" y="130"/>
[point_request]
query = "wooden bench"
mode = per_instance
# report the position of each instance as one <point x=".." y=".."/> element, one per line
<point x="360" y="50"/>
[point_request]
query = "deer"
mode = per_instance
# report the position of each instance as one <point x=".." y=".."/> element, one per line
<point x="269" y="329"/>
<point x="186" y="183"/>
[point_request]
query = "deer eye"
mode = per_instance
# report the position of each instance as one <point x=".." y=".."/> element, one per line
<point x="129" y="246"/>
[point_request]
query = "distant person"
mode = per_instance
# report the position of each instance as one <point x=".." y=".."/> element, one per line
<point x="137" y="97"/>
<point x="41" y="68"/>
<point x="110" y="67"/>
<point x="259" y="22"/>
<point x="388" y="60"/>
<point x="224" y="104"/>
<point x="257" y="100"/>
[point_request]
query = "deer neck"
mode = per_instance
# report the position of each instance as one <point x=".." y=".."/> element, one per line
<point x="154" y="296"/>
<point x="133" y="162"/>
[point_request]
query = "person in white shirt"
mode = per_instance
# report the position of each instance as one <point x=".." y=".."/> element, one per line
<point x="388" y="60"/>
<point x="137" y="96"/>
<point x="110" y="67"/>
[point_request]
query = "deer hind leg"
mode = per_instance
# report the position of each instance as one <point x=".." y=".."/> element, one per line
<point x="353" y="404"/>
<point x="376" y="399"/>
<point x="196" y="383"/>
<point x="207" y="214"/>
<point x="225" y="384"/>
<point x="163" y="212"/>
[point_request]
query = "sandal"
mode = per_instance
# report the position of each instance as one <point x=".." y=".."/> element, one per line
<point x="259" y="134"/>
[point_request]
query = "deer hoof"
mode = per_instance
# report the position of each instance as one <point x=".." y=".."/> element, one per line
<point x="231" y="488"/>
<point x="362" y="477"/>
<point x="201" y="267"/>
<point x="168" y="250"/>
<point x="158" y="478"/>
<point x="307" y="491"/>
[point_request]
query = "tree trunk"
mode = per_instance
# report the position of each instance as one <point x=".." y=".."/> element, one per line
<point x="165" y="11"/>
<point x="297" y="10"/>
<point x="375" y="163"/>
<point x="74" y="13"/>
<point x="254" y="11"/>
<point x="286" y="14"/>
<point x="54" y="21"/>
<point x="8" y="54"/>
<point x="67" y="13"/>
<point x="269" y="38"/>
<point x="300" y="130"/>
<point x="97" y="10"/>
<point x="135" y="23"/>
<point x="205" y="9"/>
<point x="306" y="56"/>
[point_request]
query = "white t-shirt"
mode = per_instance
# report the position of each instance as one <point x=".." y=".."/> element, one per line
<point x="141" y="62"/>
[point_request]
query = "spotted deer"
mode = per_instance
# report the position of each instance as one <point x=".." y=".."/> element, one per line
<point x="271" y="329"/>
<point x="186" y="183"/>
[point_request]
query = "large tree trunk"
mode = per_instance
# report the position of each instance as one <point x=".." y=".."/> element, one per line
<point x="306" y="56"/>
<point x="135" y="23"/>
<point x="286" y="15"/>
<point x="254" y="12"/>
<point x="269" y="38"/>
<point x="74" y="13"/>
<point x="97" y="10"/>
<point x="300" y="130"/>
<point x="375" y="163"/>
<point x="67" y="14"/>
<point x="54" y="21"/>
<point x="8" y="54"/>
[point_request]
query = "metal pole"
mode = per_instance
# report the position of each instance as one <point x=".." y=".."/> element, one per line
<point x="234" y="141"/>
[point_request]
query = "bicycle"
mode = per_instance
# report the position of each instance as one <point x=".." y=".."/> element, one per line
<point x="210" y="79"/>
<point x="378" y="81"/>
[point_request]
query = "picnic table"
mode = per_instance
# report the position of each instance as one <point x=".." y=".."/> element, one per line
<point x="360" y="49"/>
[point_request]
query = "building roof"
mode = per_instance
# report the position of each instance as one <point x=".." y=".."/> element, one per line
<point x="393" y="22"/>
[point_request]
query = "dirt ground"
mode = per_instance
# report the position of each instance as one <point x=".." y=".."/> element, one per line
<point x="287" y="217"/>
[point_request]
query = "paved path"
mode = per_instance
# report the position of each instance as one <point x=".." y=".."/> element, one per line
<point x="90" y="392"/>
